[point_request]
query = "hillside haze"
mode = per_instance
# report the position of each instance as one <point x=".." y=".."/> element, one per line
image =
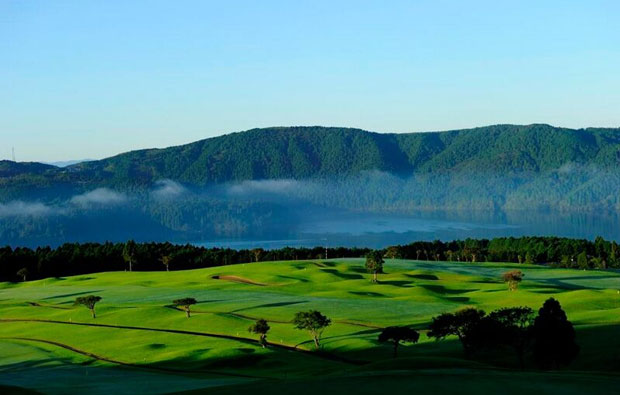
<point x="275" y="179"/>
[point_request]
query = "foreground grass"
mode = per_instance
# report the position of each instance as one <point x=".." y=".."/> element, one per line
<point x="139" y="343"/>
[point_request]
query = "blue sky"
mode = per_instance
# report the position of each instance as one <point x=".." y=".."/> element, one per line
<point x="88" y="79"/>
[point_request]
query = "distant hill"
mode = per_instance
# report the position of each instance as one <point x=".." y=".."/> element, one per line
<point x="309" y="152"/>
<point x="10" y="169"/>
<point x="65" y="163"/>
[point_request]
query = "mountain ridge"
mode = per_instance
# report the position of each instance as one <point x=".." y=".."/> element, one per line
<point x="302" y="152"/>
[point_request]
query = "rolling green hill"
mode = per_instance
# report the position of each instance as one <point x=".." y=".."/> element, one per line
<point x="139" y="343"/>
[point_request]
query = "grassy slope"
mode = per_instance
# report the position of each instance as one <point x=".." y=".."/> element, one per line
<point x="138" y="359"/>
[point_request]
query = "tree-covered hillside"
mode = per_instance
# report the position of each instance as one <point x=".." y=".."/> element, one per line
<point x="309" y="152"/>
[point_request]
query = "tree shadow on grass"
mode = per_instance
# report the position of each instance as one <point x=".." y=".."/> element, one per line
<point x="37" y="363"/>
<point x="303" y="280"/>
<point x="193" y="311"/>
<point x="555" y="286"/>
<point x="588" y="277"/>
<point x="368" y="293"/>
<point x="51" y="306"/>
<point x="330" y="339"/>
<point x="73" y="294"/>
<point x="397" y="283"/>
<point x="267" y="305"/>
<point x="547" y="290"/>
<point x="195" y="361"/>
<point x="422" y="276"/>
<point x="211" y="301"/>
<point x="459" y="299"/>
<point x="324" y="264"/>
<point x="344" y="276"/>
<point x="440" y="289"/>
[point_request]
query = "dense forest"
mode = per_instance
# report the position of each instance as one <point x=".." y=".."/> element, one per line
<point x="73" y="258"/>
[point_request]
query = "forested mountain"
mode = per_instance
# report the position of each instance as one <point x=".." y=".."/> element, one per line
<point x="273" y="178"/>
<point x="310" y="152"/>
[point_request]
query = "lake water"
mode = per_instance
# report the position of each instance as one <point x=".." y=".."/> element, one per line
<point x="377" y="231"/>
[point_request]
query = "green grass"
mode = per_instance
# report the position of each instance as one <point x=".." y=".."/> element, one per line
<point x="141" y="344"/>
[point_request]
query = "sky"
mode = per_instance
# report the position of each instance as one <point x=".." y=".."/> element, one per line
<point x="89" y="79"/>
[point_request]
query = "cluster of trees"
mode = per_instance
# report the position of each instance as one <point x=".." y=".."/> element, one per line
<point x="513" y="278"/>
<point x="550" y="336"/>
<point x="560" y="251"/>
<point x="75" y="258"/>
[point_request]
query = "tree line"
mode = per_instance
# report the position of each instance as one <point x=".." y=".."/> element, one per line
<point x="559" y="251"/>
<point x="22" y="264"/>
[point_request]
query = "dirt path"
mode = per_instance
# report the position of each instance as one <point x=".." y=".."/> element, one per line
<point x="204" y="334"/>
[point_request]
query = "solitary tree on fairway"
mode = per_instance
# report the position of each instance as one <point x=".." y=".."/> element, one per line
<point x="260" y="327"/>
<point x="513" y="278"/>
<point x="393" y="252"/>
<point x="374" y="264"/>
<point x="258" y="253"/>
<point x="582" y="261"/>
<point x="89" y="302"/>
<point x="314" y="322"/>
<point x="396" y="334"/>
<point x="23" y="273"/>
<point x="529" y="258"/>
<point x="554" y="336"/>
<point x="185" y="304"/>
<point x="166" y="261"/>
<point x="129" y="253"/>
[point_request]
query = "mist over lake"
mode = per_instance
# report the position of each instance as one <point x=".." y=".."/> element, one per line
<point x="352" y="229"/>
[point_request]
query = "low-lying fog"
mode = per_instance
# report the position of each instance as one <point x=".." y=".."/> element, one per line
<point x="373" y="209"/>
